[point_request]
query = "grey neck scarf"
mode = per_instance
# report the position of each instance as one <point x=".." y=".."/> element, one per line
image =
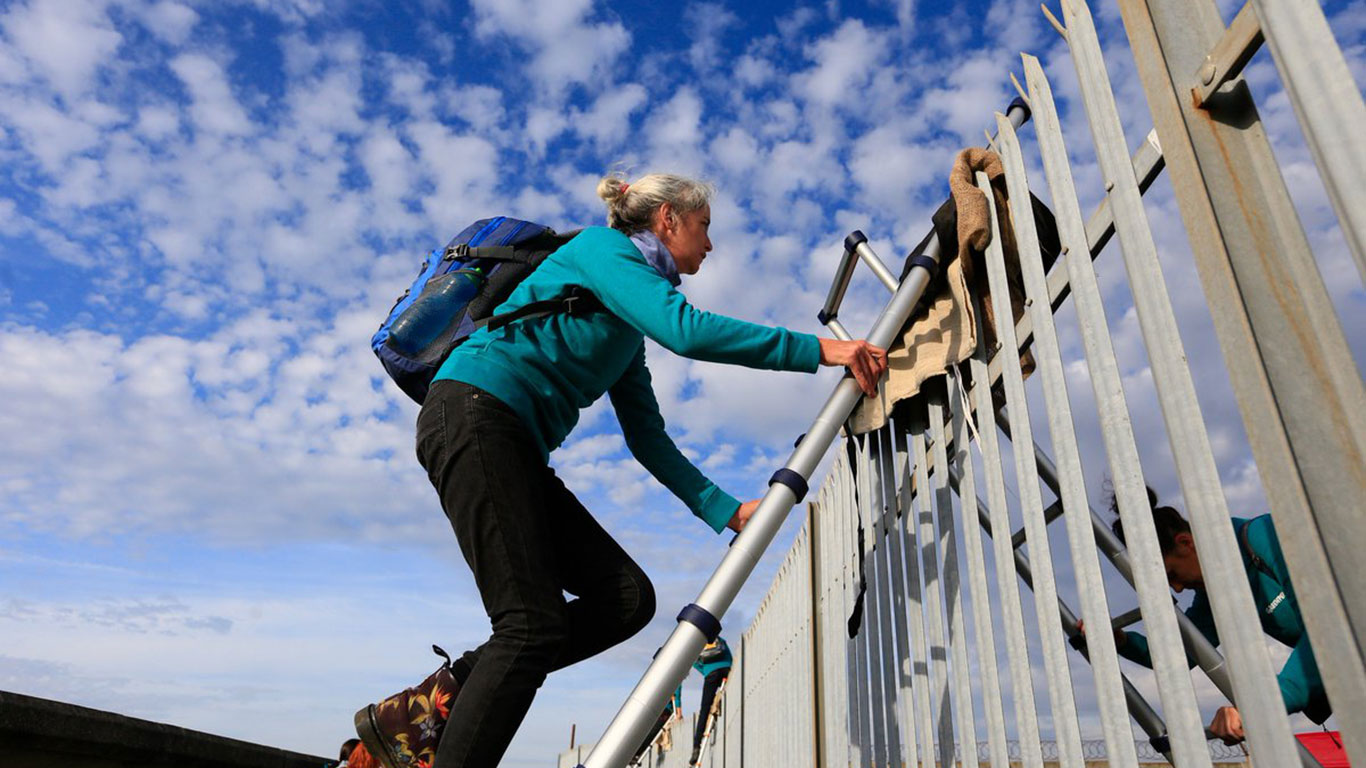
<point x="657" y="255"/>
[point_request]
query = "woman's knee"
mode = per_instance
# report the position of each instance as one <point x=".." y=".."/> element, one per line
<point x="537" y="638"/>
<point x="642" y="608"/>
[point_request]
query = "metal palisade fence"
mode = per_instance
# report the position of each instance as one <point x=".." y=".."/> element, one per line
<point x="895" y="633"/>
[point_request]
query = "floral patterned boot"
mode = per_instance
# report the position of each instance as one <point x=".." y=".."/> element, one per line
<point x="403" y="730"/>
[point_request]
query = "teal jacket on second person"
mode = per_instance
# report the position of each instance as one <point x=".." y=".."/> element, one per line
<point x="721" y="662"/>
<point x="547" y="369"/>
<point x="1300" y="683"/>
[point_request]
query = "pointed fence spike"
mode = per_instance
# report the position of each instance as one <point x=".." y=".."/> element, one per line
<point x="1057" y="25"/>
<point x="1020" y="90"/>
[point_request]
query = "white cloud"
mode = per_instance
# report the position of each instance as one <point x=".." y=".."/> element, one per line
<point x="66" y="41"/>
<point x="975" y="88"/>
<point x="565" y="47"/>
<point x="543" y="125"/>
<point x="843" y="63"/>
<point x="49" y="134"/>
<point x="674" y="129"/>
<point x="266" y="438"/>
<point x="1016" y="26"/>
<point x="172" y="22"/>
<point x="608" y="121"/>
<point x="891" y="167"/>
<point x="213" y="108"/>
<point x="905" y="15"/>
<point x="706" y="23"/>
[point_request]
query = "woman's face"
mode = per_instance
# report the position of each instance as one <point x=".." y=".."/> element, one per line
<point x="1183" y="565"/>
<point x="685" y="235"/>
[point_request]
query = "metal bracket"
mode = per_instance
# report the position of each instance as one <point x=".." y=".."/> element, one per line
<point x="1227" y="58"/>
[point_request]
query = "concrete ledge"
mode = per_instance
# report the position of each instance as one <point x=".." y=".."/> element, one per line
<point x="38" y="733"/>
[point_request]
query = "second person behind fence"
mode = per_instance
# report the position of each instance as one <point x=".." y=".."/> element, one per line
<point x="1301" y="686"/>
<point x="714" y="665"/>
<point x="505" y="399"/>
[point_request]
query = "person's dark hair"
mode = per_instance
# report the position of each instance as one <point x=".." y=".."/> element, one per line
<point x="346" y="748"/>
<point x="1167" y="520"/>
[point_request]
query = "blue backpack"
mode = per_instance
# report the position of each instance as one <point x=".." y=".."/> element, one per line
<point x="456" y="291"/>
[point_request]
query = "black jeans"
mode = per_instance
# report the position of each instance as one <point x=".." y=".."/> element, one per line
<point x="709" y="688"/>
<point x="528" y="541"/>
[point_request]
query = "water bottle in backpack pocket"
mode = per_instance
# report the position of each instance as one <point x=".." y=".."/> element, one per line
<point x="436" y="309"/>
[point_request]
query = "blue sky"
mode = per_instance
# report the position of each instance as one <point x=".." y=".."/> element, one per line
<point x="210" y="513"/>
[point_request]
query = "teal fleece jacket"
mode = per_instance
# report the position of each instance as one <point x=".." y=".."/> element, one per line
<point x="721" y="662"/>
<point x="547" y="369"/>
<point x="1279" y="611"/>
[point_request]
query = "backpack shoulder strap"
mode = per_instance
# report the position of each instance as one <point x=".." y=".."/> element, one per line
<point x="1257" y="561"/>
<point x="578" y="301"/>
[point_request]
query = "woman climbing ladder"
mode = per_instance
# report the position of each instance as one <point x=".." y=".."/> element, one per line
<point x="505" y="399"/>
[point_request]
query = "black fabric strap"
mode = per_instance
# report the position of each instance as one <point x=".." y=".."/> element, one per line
<point x="792" y="480"/>
<point x="492" y="252"/>
<point x="925" y="262"/>
<point x="579" y="301"/>
<point x="1257" y="561"/>
<point x="701" y="618"/>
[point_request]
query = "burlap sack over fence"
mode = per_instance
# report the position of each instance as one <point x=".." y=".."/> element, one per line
<point x="942" y="330"/>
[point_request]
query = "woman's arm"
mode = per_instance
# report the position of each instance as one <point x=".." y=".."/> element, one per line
<point x="632" y="290"/>
<point x="637" y="410"/>
<point x="610" y="266"/>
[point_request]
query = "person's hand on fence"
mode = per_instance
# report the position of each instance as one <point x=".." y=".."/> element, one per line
<point x="866" y="361"/>
<point x="1227" y="725"/>
<point x="741" y="516"/>
<point x="1120" y="636"/>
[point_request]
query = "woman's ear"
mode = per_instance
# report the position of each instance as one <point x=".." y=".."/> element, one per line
<point x="667" y="217"/>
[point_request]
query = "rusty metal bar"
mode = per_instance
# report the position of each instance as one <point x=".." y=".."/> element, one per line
<point x="1233" y="51"/>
